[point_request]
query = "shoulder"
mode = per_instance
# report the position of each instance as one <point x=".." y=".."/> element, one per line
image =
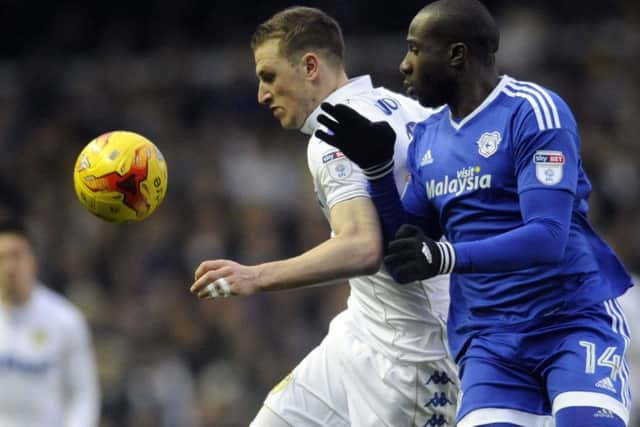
<point x="538" y="107"/>
<point x="319" y="152"/>
<point x="380" y="104"/>
<point x="326" y="159"/>
<point x="58" y="309"/>
<point x="435" y="117"/>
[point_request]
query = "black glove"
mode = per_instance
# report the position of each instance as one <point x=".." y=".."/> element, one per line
<point x="414" y="256"/>
<point x="368" y="144"/>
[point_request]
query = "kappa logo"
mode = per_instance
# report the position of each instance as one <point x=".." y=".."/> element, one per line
<point x="439" y="378"/>
<point x="439" y="399"/>
<point x="606" y="384"/>
<point x="427" y="159"/>
<point x="488" y="143"/>
<point x="436" y="421"/>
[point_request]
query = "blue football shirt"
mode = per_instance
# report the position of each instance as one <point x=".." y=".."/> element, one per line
<point x="469" y="176"/>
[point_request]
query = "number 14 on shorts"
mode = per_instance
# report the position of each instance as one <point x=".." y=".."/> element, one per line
<point x="607" y="358"/>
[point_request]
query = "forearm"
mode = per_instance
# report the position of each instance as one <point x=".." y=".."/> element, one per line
<point x="541" y="240"/>
<point x="524" y="247"/>
<point x="386" y="199"/>
<point x="338" y="258"/>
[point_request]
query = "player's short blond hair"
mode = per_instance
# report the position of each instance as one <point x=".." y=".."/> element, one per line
<point x="302" y="29"/>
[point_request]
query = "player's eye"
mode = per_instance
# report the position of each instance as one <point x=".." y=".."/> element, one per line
<point x="413" y="48"/>
<point x="267" y="77"/>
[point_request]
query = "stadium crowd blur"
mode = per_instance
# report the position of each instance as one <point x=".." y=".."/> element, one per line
<point x="182" y="74"/>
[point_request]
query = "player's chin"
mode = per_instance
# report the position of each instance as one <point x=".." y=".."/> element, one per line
<point x="289" y="123"/>
<point x="427" y="99"/>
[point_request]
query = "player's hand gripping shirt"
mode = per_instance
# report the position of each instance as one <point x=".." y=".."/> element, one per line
<point x="503" y="183"/>
<point x="402" y="321"/>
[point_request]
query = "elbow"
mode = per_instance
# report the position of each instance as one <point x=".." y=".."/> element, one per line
<point x="368" y="257"/>
<point x="550" y="249"/>
<point x="551" y="256"/>
<point x="360" y="250"/>
<point x="372" y="261"/>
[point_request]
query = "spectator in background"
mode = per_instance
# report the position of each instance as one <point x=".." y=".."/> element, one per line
<point x="47" y="369"/>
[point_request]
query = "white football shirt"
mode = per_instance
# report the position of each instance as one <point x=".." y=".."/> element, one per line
<point x="405" y="322"/>
<point x="47" y="369"/>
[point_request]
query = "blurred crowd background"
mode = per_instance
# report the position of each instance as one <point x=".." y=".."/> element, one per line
<point x="181" y="73"/>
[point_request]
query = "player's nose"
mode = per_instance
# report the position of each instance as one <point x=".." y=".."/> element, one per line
<point x="405" y="66"/>
<point x="264" y="96"/>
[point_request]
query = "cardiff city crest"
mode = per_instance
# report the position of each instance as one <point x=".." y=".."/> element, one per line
<point x="488" y="143"/>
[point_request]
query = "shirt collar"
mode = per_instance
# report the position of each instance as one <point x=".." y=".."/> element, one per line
<point x="504" y="79"/>
<point x="354" y="86"/>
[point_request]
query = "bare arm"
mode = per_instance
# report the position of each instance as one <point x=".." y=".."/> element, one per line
<point x="355" y="250"/>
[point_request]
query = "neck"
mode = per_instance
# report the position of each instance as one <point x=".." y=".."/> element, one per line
<point x="473" y="90"/>
<point x="15" y="299"/>
<point x="14" y="302"/>
<point x="333" y="84"/>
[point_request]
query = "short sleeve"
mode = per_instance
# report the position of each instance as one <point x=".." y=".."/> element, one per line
<point x="336" y="178"/>
<point x="546" y="156"/>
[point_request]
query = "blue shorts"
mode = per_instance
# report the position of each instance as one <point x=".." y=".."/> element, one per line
<point x="541" y="368"/>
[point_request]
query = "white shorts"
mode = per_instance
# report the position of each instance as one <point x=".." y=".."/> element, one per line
<point x="344" y="382"/>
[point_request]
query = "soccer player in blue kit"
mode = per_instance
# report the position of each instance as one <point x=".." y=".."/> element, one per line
<point x="534" y="324"/>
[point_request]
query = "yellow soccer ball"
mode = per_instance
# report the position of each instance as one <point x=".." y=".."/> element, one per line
<point x="120" y="177"/>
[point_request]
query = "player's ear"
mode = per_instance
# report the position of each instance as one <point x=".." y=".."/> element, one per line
<point x="311" y="65"/>
<point x="458" y="54"/>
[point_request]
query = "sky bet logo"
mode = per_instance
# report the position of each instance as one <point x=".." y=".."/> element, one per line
<point x="551" y="157"/>
<point x="466" y="180"/>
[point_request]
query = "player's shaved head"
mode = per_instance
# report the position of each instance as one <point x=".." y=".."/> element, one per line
<point x="464" y="21"/>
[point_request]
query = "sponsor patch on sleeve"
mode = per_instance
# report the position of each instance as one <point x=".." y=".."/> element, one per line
<point x="549" y="166"/>
<point x="333" y="155"/>
<point x="338" y="165"/>
<point x="340" y="169"/>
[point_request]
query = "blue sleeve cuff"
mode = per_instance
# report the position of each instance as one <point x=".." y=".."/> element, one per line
<point x="386" y="199"/>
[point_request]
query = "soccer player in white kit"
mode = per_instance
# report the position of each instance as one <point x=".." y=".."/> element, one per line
<point x="47" y="370"/>
<point x="384" y="361"/>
